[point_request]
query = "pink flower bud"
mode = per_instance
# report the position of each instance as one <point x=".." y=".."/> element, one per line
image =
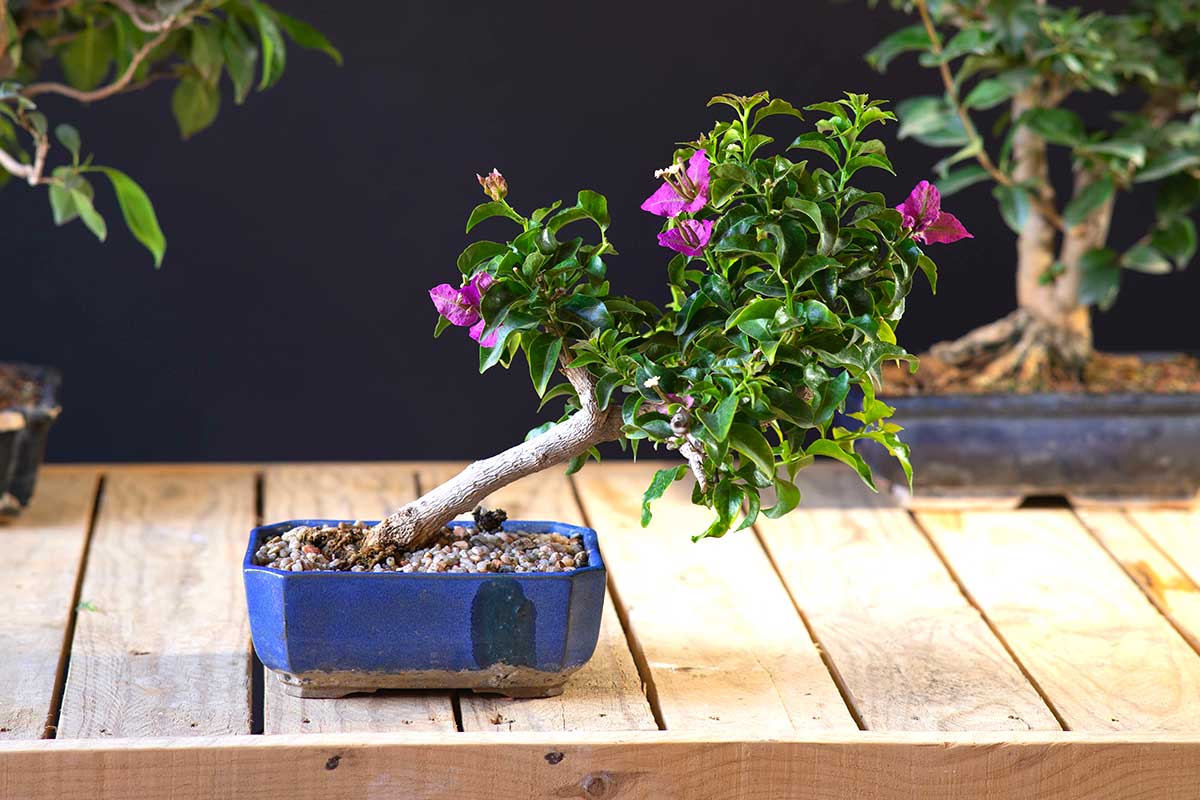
<point x="494" y="185"/>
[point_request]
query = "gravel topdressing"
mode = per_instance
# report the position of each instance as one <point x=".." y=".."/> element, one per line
<point x="458" y="549"/>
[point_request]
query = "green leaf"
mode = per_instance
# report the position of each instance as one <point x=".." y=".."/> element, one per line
<point x="478" y="252"/>
<point x="749" y="441"/>
<point x="240" y="58"/>
<point x="195" y="104"/>
<point x="1133" y="152"/>
<point x="542" y="354"/>
<point x="831" y="449"/>
<point x="85" y="59"/>
<point x="488" y="210"/>
<point x="138" y="213"/>
<point x="774" y="108"/>
<point x="832" y="396"/>
<point x="876" y="160"/>
<point x="819" y="316"/>
<point x="759" y="309"/>
<point x="1100" y="278"/>
<point x="1176" y="238"/>
<point x="1090" y="198"/>
<point x="816" y="141"/>
<point x="307" y="36"/>
<point x="989" y="93"/>
<point x="787" y="497"/>
<point x="958" y="179"/>
<point x="274" y="51"/>
<point x="659" y="484"/>
<point x="1167" y="164"/>
<point x="62" y="203"/>
<point x="207" y="55"/>
<point x="587" y="310"/>
<point x="719" y="421"/>
<point x="1144" y="258"/>
<point x="905" y="40"/>
<point x="1055" y="125"/>
<point x="1014" y="205"/>
<point x="69" y="137"/>
<point x="87" y="213"/>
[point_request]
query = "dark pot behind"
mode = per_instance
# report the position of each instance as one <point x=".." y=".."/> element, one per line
<point x="998" y="449"/>
<point x="23" y="434"/>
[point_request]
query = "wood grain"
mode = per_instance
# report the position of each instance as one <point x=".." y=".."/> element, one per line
<point x="162" y="645"/>
<point x="911" y="652"/>
<point x="363" y="491"/>
<point x="633" y="766"/>
<point x="43" y="552"/>
<point x="1177" y="533"/>
<point x="1172" y="592"/>
<point x="1101" y="653"/>
<point x="724" y="646"/>
<point x="606" y="694"/>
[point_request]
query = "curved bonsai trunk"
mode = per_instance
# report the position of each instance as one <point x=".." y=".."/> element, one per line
<point x="1050" y="333"/>
<point x="419" y="522"/>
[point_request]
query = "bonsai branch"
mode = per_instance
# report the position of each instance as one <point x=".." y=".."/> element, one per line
<point x="117" y="86"/>
<point x="31" y="173"/>
<point x="149" y="24"/>
<point x="421" y="520"/>
<point x="1045" y="206"/>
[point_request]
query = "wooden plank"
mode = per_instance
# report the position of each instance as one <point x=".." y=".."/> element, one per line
<point x="1177" y="533"/>
<point x="606" y="694"/>
<point x="1172" y="592"/>
<point x="363" y="491"/>
<point x="162" y="644"/>
<point x="911" y="652"/>
<point x="722" y="641"/>
<point x="1102" y="655"/>
<point x="43" y="551"/>
<point x="632" y="766"/>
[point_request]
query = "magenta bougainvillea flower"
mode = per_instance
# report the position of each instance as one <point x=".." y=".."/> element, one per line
<point x="684" y="191"/>
<point x="688" y="236"/>
<point x="461" y="306"/>
<point x="922" y="213"/>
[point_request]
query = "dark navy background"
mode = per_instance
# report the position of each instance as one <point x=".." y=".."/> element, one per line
<point x="290" y="319"/>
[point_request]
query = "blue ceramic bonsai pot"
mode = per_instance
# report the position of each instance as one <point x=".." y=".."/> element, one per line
<point x="329" y="634"/>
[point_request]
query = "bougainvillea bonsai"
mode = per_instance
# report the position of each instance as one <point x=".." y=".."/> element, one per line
<point x="1030" y="59"/>
<point x="787" y="285"/>
<point x="105" y="48"/>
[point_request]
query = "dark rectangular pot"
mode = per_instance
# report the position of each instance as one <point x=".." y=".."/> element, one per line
<point x="329" y="634"/>
<point x="23" y="433"/>
<point x="995" y="450"/>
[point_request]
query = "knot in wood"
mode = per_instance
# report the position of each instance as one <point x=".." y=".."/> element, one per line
<point x="597" y="785"/>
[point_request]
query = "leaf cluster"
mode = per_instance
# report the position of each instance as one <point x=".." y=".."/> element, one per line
<point x="793" y="303"/>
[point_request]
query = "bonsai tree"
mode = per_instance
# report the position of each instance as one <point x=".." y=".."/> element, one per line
<point x="1032" y="60"/>
<point x="787" y="284"/>
<point x="105" y="48"/>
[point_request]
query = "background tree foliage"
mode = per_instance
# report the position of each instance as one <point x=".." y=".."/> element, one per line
<point x="1032" y="61"/>
<point x="103" y="48"/>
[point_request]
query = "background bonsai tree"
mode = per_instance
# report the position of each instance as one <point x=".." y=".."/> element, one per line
<point x="787" y="286"/>
<point x="1032" y="60"/>
<point x="104" y="48"/>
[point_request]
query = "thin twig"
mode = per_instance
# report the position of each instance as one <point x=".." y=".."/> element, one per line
<point x="999" y="176"/>
<point x="35" y="89"/>
<point x="135" y="15"/>
<point x="31" y="173"/>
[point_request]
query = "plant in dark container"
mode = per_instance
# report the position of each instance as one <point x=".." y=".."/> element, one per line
<point x="106" y="48"/>
<point x="787" y="284"/>
<point x="1025" y="405"/>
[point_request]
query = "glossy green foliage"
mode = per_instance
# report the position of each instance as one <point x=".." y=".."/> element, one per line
<point x="1031" y="61"/>
<point x="103" y="48"/>
<point x="791" y="305"/>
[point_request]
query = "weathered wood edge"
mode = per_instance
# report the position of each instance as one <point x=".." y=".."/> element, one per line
<point x="663" y="764"/>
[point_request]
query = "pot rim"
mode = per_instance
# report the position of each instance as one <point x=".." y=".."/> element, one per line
<point x="590" y="543"/>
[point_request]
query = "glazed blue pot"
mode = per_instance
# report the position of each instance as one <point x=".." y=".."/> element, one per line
<point x="329" y="634"/>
